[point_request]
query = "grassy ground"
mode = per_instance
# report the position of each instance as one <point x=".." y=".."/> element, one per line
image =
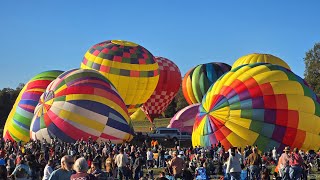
<point x="145" y="125"/>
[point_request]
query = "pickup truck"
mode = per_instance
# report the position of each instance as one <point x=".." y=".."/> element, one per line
<point x="169" y="134"/>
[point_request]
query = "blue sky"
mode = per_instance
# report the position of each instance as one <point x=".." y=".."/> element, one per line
<point x="36" y="36"/>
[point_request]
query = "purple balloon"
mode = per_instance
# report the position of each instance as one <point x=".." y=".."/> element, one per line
<point x="184" y="119"/>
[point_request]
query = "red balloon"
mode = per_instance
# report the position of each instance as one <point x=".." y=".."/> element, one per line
<point x="167" y="88"/>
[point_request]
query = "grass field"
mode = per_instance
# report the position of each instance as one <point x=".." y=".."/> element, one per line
<point x="145" y="125"/>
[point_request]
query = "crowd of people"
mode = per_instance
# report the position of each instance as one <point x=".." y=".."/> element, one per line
<point x="86" y="160"/>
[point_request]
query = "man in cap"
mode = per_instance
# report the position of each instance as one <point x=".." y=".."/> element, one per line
<point x="284" y="163"/>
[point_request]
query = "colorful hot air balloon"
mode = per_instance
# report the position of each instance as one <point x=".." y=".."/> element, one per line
<point x="197" y="80"/>
<point x="81" y="104"/>
<point x="259" y="58"/>
<point x="18" y="122"/>
<point x="138" y="115"/>
<point x="184" y="119"/>
<point x="259" y="104"/>
<point x="131" y="68"/>
<point x="167" y="88"/>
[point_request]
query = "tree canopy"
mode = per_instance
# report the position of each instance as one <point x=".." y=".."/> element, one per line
<point x="312" y="69"/>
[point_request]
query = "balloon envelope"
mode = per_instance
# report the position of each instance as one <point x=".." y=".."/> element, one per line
<point x="197" y="80"/>
<point x="81" y="104"/>
<point x="259" y="104"/>
<point x="259" y="58"/>
<point x="167" y="88"/>
<point x="18" y="122"/>
<point x="184" y="119"/>
<point x="131" y="68"/>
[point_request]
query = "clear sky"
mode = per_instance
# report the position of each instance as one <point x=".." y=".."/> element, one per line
<point x="36" y="36"/>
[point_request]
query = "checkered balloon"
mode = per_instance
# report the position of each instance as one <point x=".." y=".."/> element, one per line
<point x="167" y="88"/>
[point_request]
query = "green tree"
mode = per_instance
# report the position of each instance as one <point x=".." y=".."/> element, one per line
<point x="8" y="97"/>
<point x="312" y="71"/>
<point x="171" y="109"/>
<point x="181" y="101"/>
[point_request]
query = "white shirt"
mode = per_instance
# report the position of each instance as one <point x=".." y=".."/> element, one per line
<point x="149" y="155"/>
<point x="274" y="153"/>
<point x="46" y="173"/>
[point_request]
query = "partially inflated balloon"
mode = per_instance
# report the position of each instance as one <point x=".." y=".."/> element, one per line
<point x="131" y="68"/>
<point x="259" y="58"/>
<point x="167" y="88"/>
<point x="18" y="122"/>
<point x="81" y="104"/>
<point x="259" y="104"/>
<point x="197" y="80"/>
<point x="138" y="115"/>
<point x="184" y="119"/>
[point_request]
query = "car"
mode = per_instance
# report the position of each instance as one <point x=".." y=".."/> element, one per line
<point x="169" y="134"/>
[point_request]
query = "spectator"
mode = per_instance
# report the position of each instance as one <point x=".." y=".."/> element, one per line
<point x="137" y="167"/>
<point x="110" y="166"/>
<point x="65" y="171"/>
<point x="81" y="167"/>
<point x="47" y="170"/>
<point x="97" y="172"/>
<point x="296" y="164"/>
<point x="176" y="164"/>
<point x="22" y="171"/>
<point x="233" y="165"/>
<point x="284" y="163"/>
<point x="201" y="173"/>
<point x="121" y="161"/>
<point x="254" y="162"/>
<point x="149" y="158"/>
<point x="162" y="176"/>
<point x="3" y="172"/>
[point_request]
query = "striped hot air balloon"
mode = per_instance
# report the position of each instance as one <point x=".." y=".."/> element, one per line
<point x="197" y="80"/>
<point x="17" y="126"/>
<point x="81" y="104"/>
<point x="259" y="104"/>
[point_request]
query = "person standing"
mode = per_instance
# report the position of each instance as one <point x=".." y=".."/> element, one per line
<point x="47" y="170"/>
<point x="254" y="161"/>
<point x="137" y="167"/>
<point x="65" y="171"/>
<point x="274" y="154"/>
<point x="284" y="163"/>
<point x="296" y="164"/>
<point x="121" y="161"/>
<point x="177" y="165"/>
<point x="233" y="165"/>
<point x="149" y="158"/>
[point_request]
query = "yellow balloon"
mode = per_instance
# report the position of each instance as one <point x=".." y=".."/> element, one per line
<point x="259" y="58"/>
<point x="131" y="68"/>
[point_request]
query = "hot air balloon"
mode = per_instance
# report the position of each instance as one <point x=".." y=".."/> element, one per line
<point x="18" y="122"/>
<point x="259" y="58"/>
<point x="167" y="88"/>
<point x="138" y="115"/>
<point x="197" y="80"/>
<point x="259" y="104"/>
<point x="80" y="104"/>
<point x="131" y="68"/>
<point x="184" y="119"/>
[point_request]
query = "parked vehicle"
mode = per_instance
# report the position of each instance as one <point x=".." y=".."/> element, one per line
<point x="169" y="134"/>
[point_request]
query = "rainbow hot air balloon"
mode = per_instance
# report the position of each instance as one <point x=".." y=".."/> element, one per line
<point x="18" y="122"/>
<point x="81" y="104"/>
<point x="259" y="104"/>
<point x="131" y="68"/>
<point x="167" y="88"/>
<point x="259" y="58"/>
<point x="184" y="119"/>
<point x="197" y="80"/>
